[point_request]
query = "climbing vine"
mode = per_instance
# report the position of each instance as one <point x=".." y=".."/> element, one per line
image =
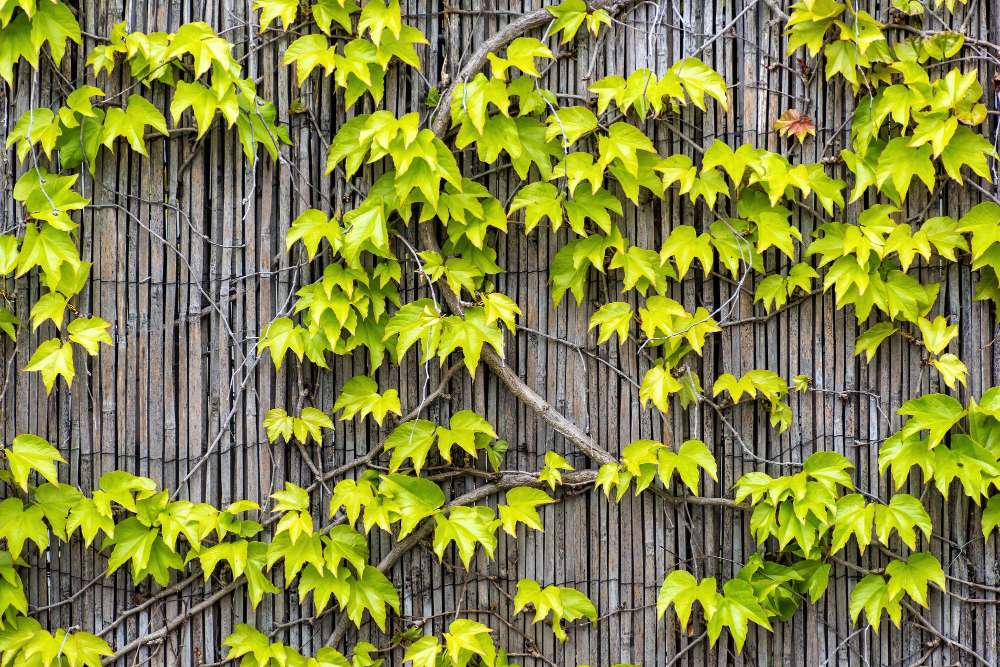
<point x="918" y="120"/>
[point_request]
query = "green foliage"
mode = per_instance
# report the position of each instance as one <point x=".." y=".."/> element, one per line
<point x="564" y="603"/>
<point x="917" y="118"/>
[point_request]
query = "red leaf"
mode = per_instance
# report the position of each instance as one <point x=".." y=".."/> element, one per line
<point x="793" y="122"/>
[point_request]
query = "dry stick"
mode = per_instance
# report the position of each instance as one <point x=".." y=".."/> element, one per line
<point x="166" y="592"/>
<point x="694" y="642"/>
<point x="70" y="599"/>
<point x="173" y="623"/>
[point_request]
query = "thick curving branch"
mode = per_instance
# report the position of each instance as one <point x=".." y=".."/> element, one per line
<point x="502" y="38"/>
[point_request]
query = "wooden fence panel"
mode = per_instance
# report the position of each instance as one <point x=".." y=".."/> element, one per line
<point x="189" y="267"/>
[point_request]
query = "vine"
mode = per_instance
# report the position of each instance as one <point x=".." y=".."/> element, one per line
<point x="917" y="122"/>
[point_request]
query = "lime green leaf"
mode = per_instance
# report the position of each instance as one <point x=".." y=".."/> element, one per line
<point x="900" y="163"/>
<point x="682" y="589"/>
<point x="309" y="52"/>
<point x="872" y="595"/>
<point x="467" y="527"/>
<point x="870" y="340"/>
<point x="686" y="461"/>
<point x="280" y="336"/>
<point x="521" y="53"/>
<point x="53" y="22"/>
<point x="131" y="123"/>
<point x="413" y="440"/>
<point x="570" y="123"/>
<point x="360" y="395"/>
<point x="352" y="496"/>
<point x="938" y="334"/>
<point x="615" y="317"/>
<point x="53" y="358"/>
<point x="29" y="452"/>
<point x="735" y="607"/>
<point x="568" y="14"/>
<point x="991" y="515"/>
<point x="90" y="332"/>
<point x="521" y="506"/>
<point x="550" y="472"/>
<point x="564" y="603"/>
<point x="912" y="576"/>
<point x="902" y="514"/>
<point x="854" y="517"/>
<point x="936" y="413"/>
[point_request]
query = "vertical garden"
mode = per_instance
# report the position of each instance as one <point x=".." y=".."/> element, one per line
<point x="610" y="333"/>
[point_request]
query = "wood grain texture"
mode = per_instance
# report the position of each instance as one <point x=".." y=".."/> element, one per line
<point x="190" y="286"/>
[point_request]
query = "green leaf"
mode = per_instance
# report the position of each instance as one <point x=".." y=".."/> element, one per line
<point x="521" y="53"/>
<point x="371" y="592"/>
<point x="936" y="413"/>
<point x="16" y="43"/>
<point x="311" y="422"/>
<point x="902" y="514"/>
<point x="415" y="498"/>
<point x="307" y="549"/>
<point x="497" y="306"/>
<point x="280" y="336"/>
<point x="413" y="440"/>
<point x="466" y="638"/>
<point x="309" y="52"/>
<point x="991" y="515"/>
<point x="278" y="423"/>
<point x="423" y="652"/>
<point x="685" y="245"/>
<point x="325" y="12"/>
<point x="131" y="123"/>
<point x="569" y="124"/>
<point x="53" y="22"/>
<point x="345" y="543"/>
<point x="29" y="452"/>
<point x="951" y="369"/>
<point x="735" y="607"/>
<point x="286" y="10"/>
<point x="564" y="603"/>
<point x="550" y="472"/>
<point x="614" y="317"/>
<point x="204" y="102"/>
<point x="657" y="386"/>
<point x="912" y="576"/>
<point x="86" y="516"/>
<point x="870" y="340"/>
<point x="872" y="595"/>
<point x="470" y="333"/>
<point x="19" y="524"/>
<point x="967" y="148"/>
<point x="682" y="589"/>
<point x="464" y="429"/>
<point x="937" y="334"/>
<point x="467" y="527"/>
<point x="699" y="79"/>
<point x="686" y="461"/>
<point x="360" y="395"/>
<point x="90" y="332"/>
<point x="854" y="517"/>
<point x="522" y="502"/>
<point x="540" y="200"/>
<point x="900" y="163"/>
<point x="352" y="496"/>
<point x="568" y="14"/>
<point x="53" y="358"/>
